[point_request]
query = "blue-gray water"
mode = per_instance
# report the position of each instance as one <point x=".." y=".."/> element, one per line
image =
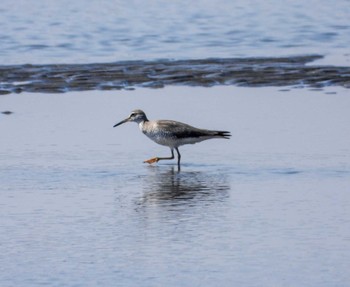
<point x="41" y="32"/>
<point x="269" y="207"/>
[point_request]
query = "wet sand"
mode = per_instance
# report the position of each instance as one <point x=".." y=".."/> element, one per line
<point x="295" y="71"/>
<point x="269" y="206"/>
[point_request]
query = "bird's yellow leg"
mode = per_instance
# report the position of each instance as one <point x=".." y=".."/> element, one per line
<point x="156" y="159"/>
<point x="152" y="160"/>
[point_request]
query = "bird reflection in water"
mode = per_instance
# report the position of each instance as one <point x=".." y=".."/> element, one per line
<point x="171" y="187"/>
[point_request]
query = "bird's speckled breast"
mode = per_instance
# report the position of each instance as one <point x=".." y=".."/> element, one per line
<point x="157" y="135"/>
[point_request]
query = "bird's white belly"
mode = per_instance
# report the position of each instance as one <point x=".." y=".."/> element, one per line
<point x="162" y="139"/>
<point x="170" y="141"/>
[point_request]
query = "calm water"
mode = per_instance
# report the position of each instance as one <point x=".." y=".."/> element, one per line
<point x="64" y="31"/>
<point x="270" y="207"/>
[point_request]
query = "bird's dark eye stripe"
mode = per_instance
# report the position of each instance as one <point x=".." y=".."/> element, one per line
<point x="132" y="114"/>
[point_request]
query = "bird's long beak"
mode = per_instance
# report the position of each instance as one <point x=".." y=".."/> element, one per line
<point x="122" y="122"/>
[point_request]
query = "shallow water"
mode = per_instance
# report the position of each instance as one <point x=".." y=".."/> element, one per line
<point x="267" y="208"/>
<point x="108" y="31"/>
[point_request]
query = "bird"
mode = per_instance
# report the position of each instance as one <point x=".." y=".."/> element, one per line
<point x="171" y="133"/>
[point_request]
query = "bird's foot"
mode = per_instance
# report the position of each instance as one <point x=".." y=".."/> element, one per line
<point x="152" y="160"/>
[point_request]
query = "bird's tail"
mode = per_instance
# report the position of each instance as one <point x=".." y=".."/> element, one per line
<point x="223" y="134"/>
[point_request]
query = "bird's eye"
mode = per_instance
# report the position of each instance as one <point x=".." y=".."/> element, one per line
<point x="132" y="115"/>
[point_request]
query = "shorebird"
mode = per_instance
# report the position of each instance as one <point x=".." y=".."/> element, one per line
<point x="171" y="133"/>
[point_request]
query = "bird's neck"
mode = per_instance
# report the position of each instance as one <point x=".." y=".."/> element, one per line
<point x="142" y="123"/>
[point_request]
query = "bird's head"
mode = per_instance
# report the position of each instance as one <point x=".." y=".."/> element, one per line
<point x="137" y="116"/>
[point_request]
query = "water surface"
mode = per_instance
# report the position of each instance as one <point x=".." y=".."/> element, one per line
<point x="84" y="32"/>
<point x="267" y="207"/>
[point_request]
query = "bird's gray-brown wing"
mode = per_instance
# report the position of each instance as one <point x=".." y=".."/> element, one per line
<point x="180" y="130"/>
